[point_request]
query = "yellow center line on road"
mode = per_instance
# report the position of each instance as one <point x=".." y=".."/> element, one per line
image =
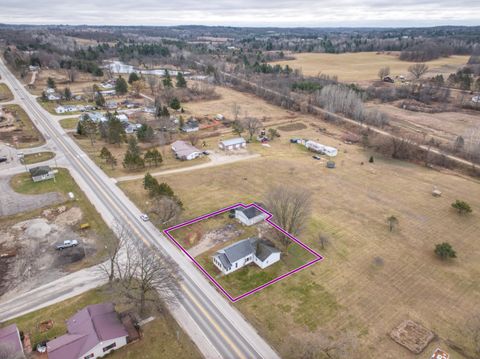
<point x="199" y="306"/>
<point x="186" y="290"/>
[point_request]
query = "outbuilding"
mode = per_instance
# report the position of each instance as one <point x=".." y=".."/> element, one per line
<point x="233" y="144"/>
<point x="249" y="216"/>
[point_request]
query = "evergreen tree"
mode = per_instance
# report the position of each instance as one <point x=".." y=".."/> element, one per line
<point x="51" y="83"/>
<point x="167" y="81"/>
<point x="153" y="157"/>
<point x="44" y="97"/>
<point x="462" y="207"/>
<point x="133" y="77"/>
<point x="175" y="104"/>
<point x="67" y="94"/>
<point x="133" y="159"/>
<point x="445" y="250"/>
<point x="145" y="133"/>
<point x="105" y="153"/>
<point x="115" y="130"/>
<point x="112" y="161"/>
<point x="181" y="82"/>
<point x="149" y="181"/>
<point x="99" y="100"/>
<point x="121" y="87"/>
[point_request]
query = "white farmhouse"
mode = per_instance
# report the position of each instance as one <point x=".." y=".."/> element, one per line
<point x="185" y="151"/>
<point x="93" y="332"/>
<point x="318" y="147"/>
<point x="244" y="252"/>
<point x="249" y="216"/>
<point x="232" y="144"/>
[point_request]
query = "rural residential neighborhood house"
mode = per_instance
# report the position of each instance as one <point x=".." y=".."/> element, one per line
<point x="93" y="332"/>
<point x="184" y="151"/>
<point x="10" y="342"/>
<point x="232" y="144"/>
<point x="244" y="252"/>
<point x="249" y="216"/>
<point x="191" y="126"/>
<point x="41" y="173"/>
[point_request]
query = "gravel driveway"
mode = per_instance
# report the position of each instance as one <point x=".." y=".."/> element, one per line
<point x="12" y="202"/>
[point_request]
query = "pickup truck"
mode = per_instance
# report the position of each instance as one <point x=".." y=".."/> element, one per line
<point x="67" y="244"/>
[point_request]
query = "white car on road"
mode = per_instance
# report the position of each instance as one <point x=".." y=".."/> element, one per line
<point x="144" y="217"/>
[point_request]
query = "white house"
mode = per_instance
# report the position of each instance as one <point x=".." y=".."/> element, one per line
<point x="249" y="216"/>
<point x="41" y="173"/>
<point x="318" y="147"/>
<point x="232" y="144"/>
<point x="122" y="117"/>
<point x="53" y="97"/>
<point x="244" y="252"/>
<point x="185" y="151"/>
<point x="93" y="332"/>
<point x="96" y="117"/>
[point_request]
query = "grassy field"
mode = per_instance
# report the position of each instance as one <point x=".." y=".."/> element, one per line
<point x="69" y="123"/>
<point x="26" y="133"/>
<point x="349" y="292"/>
<point x="64" y="183"/>
<point x="32" y="158"/>
<point x="5" y="93"/>
<point x="364" y="66"/>
<point x="51" y="105"/>
<point x="162" y="337"/>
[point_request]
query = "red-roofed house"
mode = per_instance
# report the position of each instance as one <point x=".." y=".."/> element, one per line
<point x="10" y="342"/>
<point x="93" y="332"/>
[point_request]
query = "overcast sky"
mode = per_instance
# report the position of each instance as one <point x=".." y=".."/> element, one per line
<point x="319" y="13"/>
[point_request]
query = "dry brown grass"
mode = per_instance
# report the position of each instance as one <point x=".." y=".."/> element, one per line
<point x="5" y="93"/>
<point x="362" y="66"/>
<point x="347" y="291"/>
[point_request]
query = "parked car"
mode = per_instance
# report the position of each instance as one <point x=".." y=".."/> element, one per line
<point x="144" y="217"/>
<point x="67" y="244"/>
<point x="316" y="157"/>
<point x="3" y="159"/>
<point x="206" y="153"/>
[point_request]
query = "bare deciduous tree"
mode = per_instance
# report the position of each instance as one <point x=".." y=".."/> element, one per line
<point x="235" y="111"/>
<point x="252" y="125"/>
<point x="166" y="209"/>
<point x="115" y="244"/>
<point x="418" y="70"/>
<point x="324" y="240"/>
<point x="145" y="271"/>
<point x="383" y="72"/>
<point x="193" y="138"/>
<point x="291" y="207"/>
<point x="72" y="74"/>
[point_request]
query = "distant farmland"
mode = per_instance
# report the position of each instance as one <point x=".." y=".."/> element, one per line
<point x="364" y="66"/>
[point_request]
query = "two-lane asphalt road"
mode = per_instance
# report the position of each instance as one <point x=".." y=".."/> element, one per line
<point x="217" y="328"/>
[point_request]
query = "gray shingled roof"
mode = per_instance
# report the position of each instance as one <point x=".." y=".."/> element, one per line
<point x="250" y="212"/>
<point x="39" y="171"/>
<point x="264" y="250"/>
<point x="233" y="141"/>
<point x="239" y="250"/>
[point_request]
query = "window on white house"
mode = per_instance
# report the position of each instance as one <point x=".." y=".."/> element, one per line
<point x="108" y="347"/>
<point x="91" y="355"/>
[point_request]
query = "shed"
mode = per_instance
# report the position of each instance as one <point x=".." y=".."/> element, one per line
<point x="41" y="173"/>
<point x="232" y="144"/>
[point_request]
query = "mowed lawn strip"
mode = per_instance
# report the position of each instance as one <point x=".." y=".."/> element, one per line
<point x="5" y="93"/>
<point x="32" y="158"/>
<point x="69" y="123"/>
<point x="163" y="338"/>
<point x="64" y="183"/>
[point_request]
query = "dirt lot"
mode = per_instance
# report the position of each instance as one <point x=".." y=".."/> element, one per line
<point x="17" y="128"/>
<point x="444" y="126"/>
<point x="33" y="241"/>
<point x="371" y="279"/>
<point x="364" y="66"/>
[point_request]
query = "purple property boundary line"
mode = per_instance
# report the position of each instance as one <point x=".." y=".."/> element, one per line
<point x="318" y="257"/>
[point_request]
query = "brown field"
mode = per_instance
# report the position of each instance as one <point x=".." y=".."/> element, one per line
<point x="349" y="293"/>
<point x="364" y="66"/>
<point x="61" y="80"/>
<point x="444" y="126"/>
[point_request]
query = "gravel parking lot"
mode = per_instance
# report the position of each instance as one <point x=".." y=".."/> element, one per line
<point x="12" y="202"/>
